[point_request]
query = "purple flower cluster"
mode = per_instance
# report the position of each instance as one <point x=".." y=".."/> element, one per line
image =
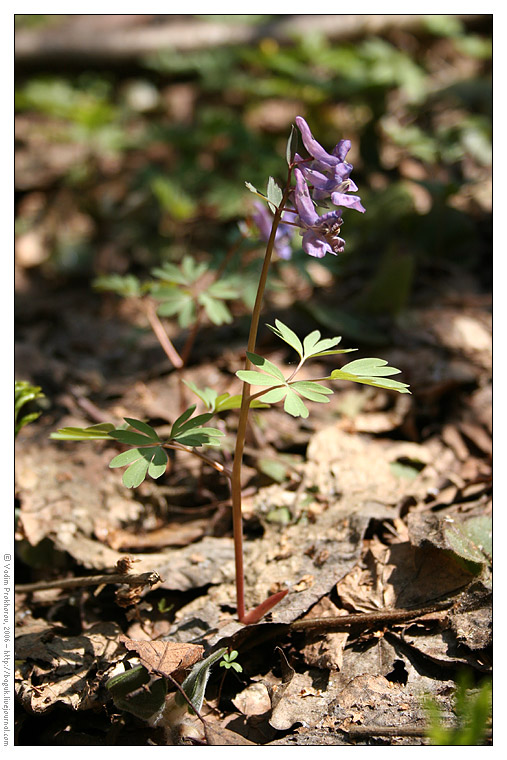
<point x="328" y="175"/>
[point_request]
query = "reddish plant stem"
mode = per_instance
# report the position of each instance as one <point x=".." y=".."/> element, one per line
<point x="237" y="519"/>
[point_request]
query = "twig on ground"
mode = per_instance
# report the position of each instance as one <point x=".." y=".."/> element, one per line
<point x="146" y="579"/>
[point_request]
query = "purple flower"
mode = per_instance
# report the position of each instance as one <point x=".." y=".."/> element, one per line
<point x="264" y="221"/>
<point x="328" y="173"/>
<point x="321" y="234"/>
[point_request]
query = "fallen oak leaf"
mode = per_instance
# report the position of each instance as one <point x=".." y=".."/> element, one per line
<point x="164" y="657"/>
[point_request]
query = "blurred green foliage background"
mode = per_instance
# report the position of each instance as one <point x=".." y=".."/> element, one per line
<point x="122" y="169"/>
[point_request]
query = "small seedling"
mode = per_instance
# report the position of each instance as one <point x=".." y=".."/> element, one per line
<point x="228" y="661"/>
<point x="312" y="182"/>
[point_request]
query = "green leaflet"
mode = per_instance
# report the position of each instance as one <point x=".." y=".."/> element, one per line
<point x="222" y="403"/>
<point x="370" y="368"/>
<point x="93" y="433"/>
<point x="292" y="144"/>
<point x="150" y="460"/>
<point x="255" y="378"/>
<point x="216" y="310"/>
<point x="312" y="391"/>
<point x="378" y="382"/>
<point x="274" y="195"/>
<point x="288" y="335"/>
<point x="266" y="366"/>
<point x="294" y="406"/>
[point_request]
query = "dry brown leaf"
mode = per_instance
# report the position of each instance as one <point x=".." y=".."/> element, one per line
<point x="325" y="650"/>
<point x="164" y="657"/>
<point x="254" y="700"/>
<point x="53" y="668"/>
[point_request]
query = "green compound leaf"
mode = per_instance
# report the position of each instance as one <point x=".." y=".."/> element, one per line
<point x="266" y="366"/>
<point x="287" y="335"/>
<point x="98" y="432"/>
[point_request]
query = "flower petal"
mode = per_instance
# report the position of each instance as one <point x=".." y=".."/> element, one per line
<point x="341" y="150"/>
<point x="348" y="201"/>
<point x="304" y="204"/>
<point x="315" y="245"/>
<point x="313" y="147"/>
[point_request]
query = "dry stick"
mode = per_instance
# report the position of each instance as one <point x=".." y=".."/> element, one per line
<point x="237" y="520"/>
<point x="163" y="338"/>
<point x="145" y="579"/>
<point x="368" y="618"/>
